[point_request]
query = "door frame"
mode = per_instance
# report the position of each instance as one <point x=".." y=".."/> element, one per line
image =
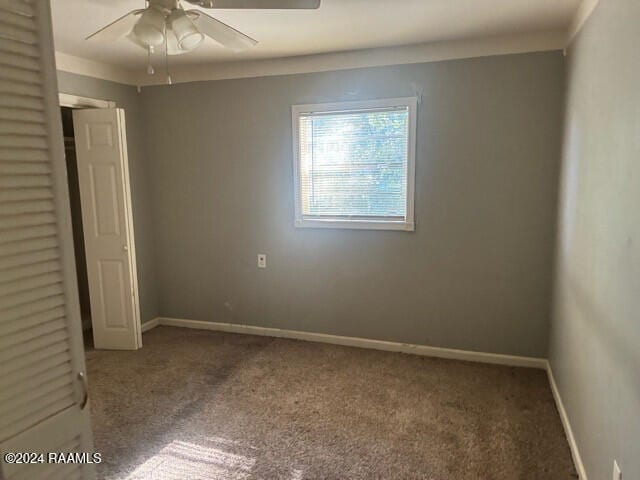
<point x="79" y="102"/>
<point x="75" y="101"/>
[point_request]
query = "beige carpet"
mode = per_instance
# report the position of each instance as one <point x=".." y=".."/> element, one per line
<point x="204" y="405"/>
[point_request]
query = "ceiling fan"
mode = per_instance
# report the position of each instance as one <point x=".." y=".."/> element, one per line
<point x="166" y="24"/>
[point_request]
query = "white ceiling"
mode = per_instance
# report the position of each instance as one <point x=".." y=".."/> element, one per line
<point x="339" y="25"/>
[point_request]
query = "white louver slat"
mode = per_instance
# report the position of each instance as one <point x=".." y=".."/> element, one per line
<point x="44" y="206"/>
<point x="12" y="59"/>
<point x="20" y="115"/>
<point x="30" y="296"/>
<point x="58" y="365"/>
<point x="8" y="195"/>
<point x="18" y="168"/>
<point x="41" y="356"/>
<point x="23" y="141"/>
<point x="40" y="338"/>
<point x="19" y="19"/>
<point x="18" y="102"/>
<point x="27" y="334"/>
<point x="35" y="380"/>
<point x="20" y="7"/>
<point x="47" y="394"/>
<point x="30" y="245"/>
<point x="16" y="127"/>
<point x="19" y="34"/>
<point x="34" y="320"/>
<point x="23" y="155"/>
<point x="20" y="75"/>
<point x="22" y="181"/>
<point x="29" y="232"/>
<point x="13" y="87"/>
<point x="37" y="410"/>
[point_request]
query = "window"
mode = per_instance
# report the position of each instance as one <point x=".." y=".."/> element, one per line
<point x="354" y="164"/>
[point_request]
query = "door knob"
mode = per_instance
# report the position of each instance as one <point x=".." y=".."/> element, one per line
<point x="125" y="248"/>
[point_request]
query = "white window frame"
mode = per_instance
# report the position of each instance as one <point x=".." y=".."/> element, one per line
<point x="354" y="106"/>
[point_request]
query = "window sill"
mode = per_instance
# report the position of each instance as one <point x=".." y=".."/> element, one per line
<point x="357" y="224"/>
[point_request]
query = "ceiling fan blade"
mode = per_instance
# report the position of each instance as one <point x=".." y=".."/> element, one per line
<point x="118" y="28"/>
<point x="258" y="4"/>
<point x="221" y="32"/>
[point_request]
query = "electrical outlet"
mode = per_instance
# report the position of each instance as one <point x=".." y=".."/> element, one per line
<point x="617" y="473"/>
<point x="262" y="260"/>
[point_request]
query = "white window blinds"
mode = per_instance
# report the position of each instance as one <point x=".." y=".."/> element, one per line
<point x="354" y="164"/>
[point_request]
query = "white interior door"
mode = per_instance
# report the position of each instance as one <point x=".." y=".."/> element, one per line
<point x="43" y="395"/>
<point x="103" y="174"/>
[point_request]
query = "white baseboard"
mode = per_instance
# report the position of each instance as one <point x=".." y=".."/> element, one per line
<point x="423" y="350"/>
<point x="148" y="325"/>
<point x="575" y="452"/>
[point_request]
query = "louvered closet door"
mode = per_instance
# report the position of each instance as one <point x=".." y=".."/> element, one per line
<point x="41" y="351"/>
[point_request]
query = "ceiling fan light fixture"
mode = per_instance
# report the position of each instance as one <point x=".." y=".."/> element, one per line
<point x="165" y="24"/>
<point x="149" y="30"/>
<point x="186" y="33"/>
<point x="172" y="47"/>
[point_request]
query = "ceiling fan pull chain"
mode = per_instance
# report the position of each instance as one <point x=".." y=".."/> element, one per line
<point x="166" y="55"/>
<point x="150" y="70"/>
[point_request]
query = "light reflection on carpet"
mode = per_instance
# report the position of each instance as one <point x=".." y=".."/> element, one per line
<point x="187" y="461"/>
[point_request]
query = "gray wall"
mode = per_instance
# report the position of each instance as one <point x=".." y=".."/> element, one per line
<point x="595" y="341"/>
<point x="476" y="274"/>
<point x="139" y="165"/>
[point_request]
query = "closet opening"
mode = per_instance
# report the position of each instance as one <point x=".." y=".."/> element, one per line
<point x="101" y="213"/>
<point x="76" y="222"/>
